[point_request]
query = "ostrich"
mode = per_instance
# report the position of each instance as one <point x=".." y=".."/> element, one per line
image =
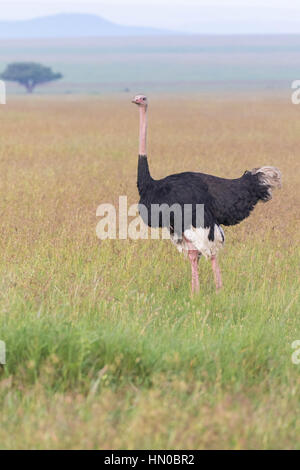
<point x="226" y="202"/>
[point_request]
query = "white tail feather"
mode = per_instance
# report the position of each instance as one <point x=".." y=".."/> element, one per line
<point x="269" y="176"/>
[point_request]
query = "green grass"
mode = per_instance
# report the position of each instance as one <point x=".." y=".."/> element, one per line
<point x="105" y="346"/>
<point x="238" y="334"/>
<point x="146" y="334"/>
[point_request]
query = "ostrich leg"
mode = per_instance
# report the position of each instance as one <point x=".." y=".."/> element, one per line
<point x="193" y="257"/>
<point x="217" y="272"/>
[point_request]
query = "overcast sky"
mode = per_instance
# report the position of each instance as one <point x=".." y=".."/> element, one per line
<point x="280" y="16"/>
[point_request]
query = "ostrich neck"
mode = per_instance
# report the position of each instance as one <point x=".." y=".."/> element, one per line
<point x="144" y="177"/>
<point x="143" y="131"/>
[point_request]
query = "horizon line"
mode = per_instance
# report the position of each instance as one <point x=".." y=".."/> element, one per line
<point x="164" y="30"/>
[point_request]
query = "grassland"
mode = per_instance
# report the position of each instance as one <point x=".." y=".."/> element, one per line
<point x="173" y="63"/>
<point x="105" y="347"/>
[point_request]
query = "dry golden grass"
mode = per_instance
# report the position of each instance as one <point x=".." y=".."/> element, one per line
<point x="103" y="339"/>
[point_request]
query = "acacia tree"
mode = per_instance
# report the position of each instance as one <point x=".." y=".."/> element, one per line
<point x="29" y="74"/>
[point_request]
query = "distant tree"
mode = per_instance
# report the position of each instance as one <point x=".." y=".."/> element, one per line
<point x="29" y="74"/>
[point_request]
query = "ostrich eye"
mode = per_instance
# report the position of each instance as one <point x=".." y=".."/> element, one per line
<point x="144" y="99"/>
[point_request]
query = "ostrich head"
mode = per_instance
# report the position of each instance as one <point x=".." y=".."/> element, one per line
<point x="140" y="100"/>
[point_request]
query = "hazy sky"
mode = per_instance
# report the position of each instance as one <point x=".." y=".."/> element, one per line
<point x="282" y="16"/>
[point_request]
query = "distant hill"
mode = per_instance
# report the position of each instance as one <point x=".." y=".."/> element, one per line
<point x="69" y="25"/>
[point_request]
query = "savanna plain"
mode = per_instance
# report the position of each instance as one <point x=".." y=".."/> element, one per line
<point x="106" y="349"/>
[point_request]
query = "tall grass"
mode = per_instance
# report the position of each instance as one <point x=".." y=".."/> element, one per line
<point x="105" y="347"/>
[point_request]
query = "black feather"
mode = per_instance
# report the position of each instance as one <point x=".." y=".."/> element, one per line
<point x="226" y="201"/>
<point x="234" y="199"/>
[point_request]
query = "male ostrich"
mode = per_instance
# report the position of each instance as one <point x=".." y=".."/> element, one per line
<point x="225" y="201"/>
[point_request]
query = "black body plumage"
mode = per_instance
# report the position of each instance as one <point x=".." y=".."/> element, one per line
<point x="226" y="201"/>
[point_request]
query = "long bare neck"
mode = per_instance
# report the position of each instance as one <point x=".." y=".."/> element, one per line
<point x="143" y="131"/>
<point x="144" y="180"/>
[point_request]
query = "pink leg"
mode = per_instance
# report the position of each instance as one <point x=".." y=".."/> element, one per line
<point x="193" y="257"/>
<point x="217" y="272"/>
